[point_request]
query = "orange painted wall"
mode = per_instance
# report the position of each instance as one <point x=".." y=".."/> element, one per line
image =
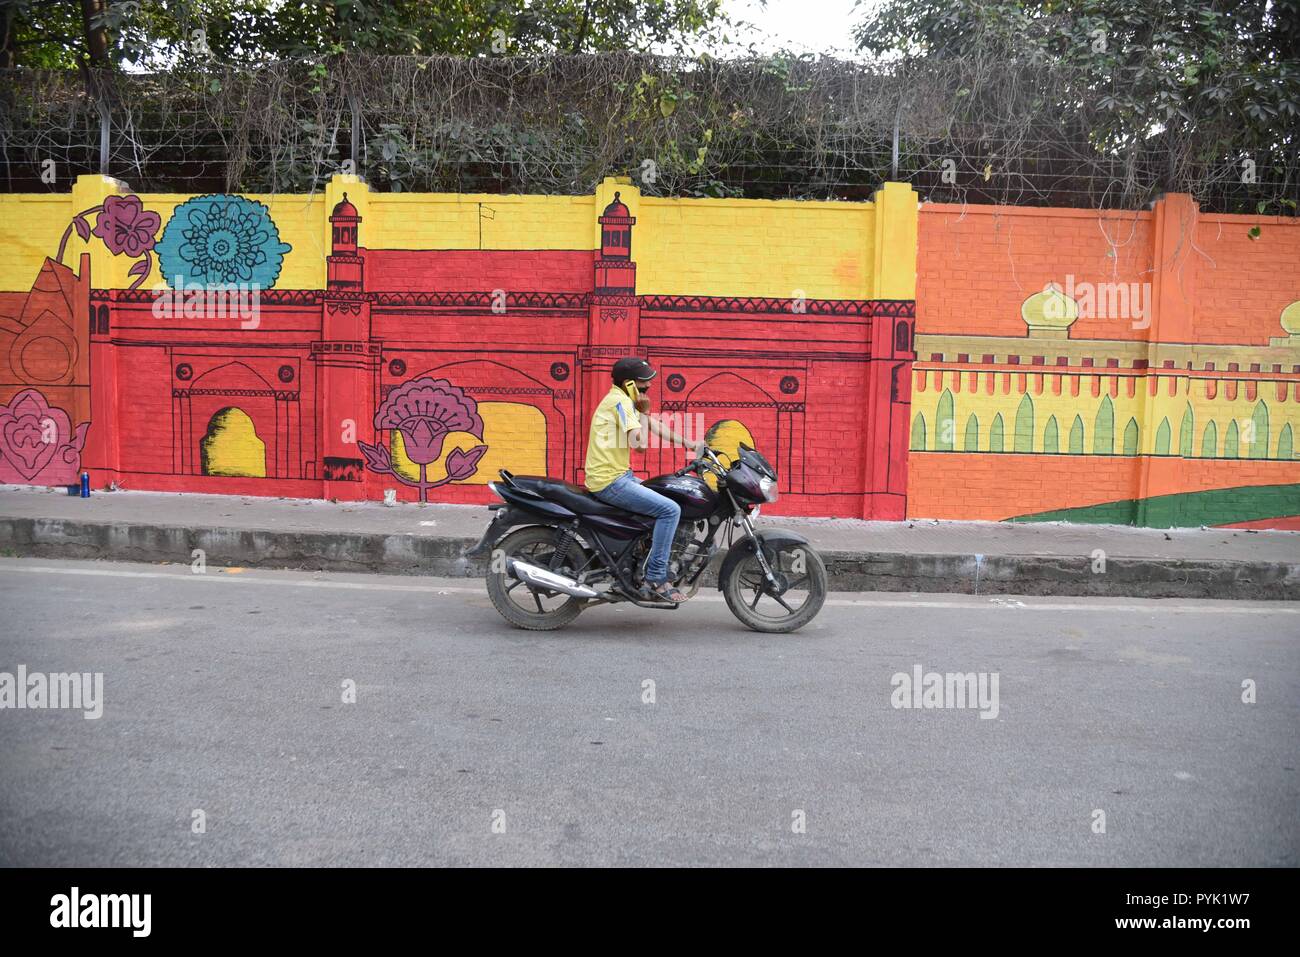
<point x="977" y="264"/>
<point x="1242" y="284"/>
<point x="1214" y="349"/>
<point x="991" y="488"/>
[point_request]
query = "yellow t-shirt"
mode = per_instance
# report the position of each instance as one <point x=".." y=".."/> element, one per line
<point x="608" y="454"/>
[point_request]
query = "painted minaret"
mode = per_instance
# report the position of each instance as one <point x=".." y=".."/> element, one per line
<point x="346" y="360"/>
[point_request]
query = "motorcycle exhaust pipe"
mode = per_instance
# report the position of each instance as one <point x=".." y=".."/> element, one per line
<point x="545" y="578"/>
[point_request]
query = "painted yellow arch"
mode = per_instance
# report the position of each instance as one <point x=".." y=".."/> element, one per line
<point x="231" y="446"/>
<point x="724" y="437"/>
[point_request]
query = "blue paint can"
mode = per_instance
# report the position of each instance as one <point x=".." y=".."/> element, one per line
<point x="85" y="485"/>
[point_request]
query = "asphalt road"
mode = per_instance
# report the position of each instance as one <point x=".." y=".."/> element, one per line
<point x="472" y="743"/>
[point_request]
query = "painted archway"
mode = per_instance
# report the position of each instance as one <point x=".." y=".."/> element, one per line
<point x="231" y="446"/>
<point x="232" y="384"/>
<point x="728" y="397"/>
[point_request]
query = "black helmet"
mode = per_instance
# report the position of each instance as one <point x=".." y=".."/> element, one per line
<point x="632" y="368"/>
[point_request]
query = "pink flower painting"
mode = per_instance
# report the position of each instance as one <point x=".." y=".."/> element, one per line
<point x="425" y="411"/>
<point x="126" y="226"/>
<point x="37" y="442"/>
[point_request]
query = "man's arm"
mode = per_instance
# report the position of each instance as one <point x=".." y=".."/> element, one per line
<point x="669" y="436"/>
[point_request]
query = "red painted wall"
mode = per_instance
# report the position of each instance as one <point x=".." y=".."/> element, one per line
<point x="324" y="376"/>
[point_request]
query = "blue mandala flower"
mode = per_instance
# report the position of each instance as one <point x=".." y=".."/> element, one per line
<point x="221" y="239"/>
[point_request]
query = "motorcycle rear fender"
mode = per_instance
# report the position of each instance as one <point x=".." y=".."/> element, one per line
<point x="774" y="536"/>
<point x="510" y="515"/>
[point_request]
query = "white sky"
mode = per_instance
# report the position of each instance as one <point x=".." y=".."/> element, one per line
<point x="809" y="26"/>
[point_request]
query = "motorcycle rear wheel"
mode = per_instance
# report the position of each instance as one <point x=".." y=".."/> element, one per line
<point x="510" y="596"/>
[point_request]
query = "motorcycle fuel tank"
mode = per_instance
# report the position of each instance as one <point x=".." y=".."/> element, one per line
<point x="691" y="492"/>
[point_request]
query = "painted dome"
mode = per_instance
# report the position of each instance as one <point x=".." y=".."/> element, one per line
<point x="1290" y="319"/>
<point x="617" y="208"/>
<point x="345" y="208"/>
<point x="1050" y="310"/>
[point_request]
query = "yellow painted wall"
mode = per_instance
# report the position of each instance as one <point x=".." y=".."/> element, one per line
<point x="30" y="227"/>
<point x="722" y="247"/>
<point x="452" y="221"/>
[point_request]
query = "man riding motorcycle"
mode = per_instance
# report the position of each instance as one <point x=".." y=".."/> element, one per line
<point x="557" y="548"/>
<point x="616" y="428"/>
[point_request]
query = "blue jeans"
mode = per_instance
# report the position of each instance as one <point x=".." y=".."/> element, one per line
<point x="627" y="492"/>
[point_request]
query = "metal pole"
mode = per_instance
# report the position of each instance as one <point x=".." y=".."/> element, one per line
<point x="893" y="165"/>
<point x="104" y="128"/>
<point x="356" y="132"/>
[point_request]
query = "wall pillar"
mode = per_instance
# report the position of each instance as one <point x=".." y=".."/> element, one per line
<point x="1174" y="280"/>
<point x="614" y="316"/>
<point x="346" y="355"/>
<point x="99" y="269"/>
<point x="891" y="352"/>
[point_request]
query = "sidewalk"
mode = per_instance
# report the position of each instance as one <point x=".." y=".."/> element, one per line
<point x="923" y="556"/>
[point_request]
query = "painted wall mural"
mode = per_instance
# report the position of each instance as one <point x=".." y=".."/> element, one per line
<point x="38" y="443"/>
<point x="1154" y="377"/>
<point x="447" y="337"/>
<point x="425" y="370"/>
<point x="420" y="415"/>
<point x="221" y="240"/>
<point x="44" y="378"/>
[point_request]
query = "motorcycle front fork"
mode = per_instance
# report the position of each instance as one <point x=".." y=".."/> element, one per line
<point x="758" y="552"/>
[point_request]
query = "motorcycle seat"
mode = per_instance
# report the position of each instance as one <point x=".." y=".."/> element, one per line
<point x="573" y="497"/>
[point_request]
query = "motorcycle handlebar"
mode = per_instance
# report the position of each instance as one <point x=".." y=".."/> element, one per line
<point x="706" y="460"/>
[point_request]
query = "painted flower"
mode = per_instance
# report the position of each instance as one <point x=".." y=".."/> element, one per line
<point x="461" y="464"/>
<point x="37" y="442"/>
<point x="220" y="240"/>
<point x="126" y="226"/>
<point x="425" y="411"/>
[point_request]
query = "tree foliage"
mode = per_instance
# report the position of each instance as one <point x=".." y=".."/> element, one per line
<point x="1092" y="103"/>
<point x="55" y="33"/>
<point x="1222" y="73"/>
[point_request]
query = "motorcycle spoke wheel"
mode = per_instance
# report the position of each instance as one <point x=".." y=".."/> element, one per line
<point x="521" y="604"/>
<point x="775" y="605"/>
<point x="761" y="607"/>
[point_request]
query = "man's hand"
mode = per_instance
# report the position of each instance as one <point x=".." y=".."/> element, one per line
<point x="642" y="406"/>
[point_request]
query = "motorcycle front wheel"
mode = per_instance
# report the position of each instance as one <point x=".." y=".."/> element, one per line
<point x="801" y="591"/>
<point x="519" y="603"/>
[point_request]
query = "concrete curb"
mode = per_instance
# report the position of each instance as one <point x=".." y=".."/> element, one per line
<point x="407" y="554"/>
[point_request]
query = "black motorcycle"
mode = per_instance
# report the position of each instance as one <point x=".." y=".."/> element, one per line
<point x="569" y="549"/>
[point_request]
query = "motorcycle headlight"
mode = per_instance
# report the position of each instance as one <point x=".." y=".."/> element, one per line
<point x="768" y="487"/>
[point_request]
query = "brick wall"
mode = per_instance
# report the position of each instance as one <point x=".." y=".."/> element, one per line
<point x="766" y="314"/>
<point x="1194" y="389"/>
<point x="482" y="317"/>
